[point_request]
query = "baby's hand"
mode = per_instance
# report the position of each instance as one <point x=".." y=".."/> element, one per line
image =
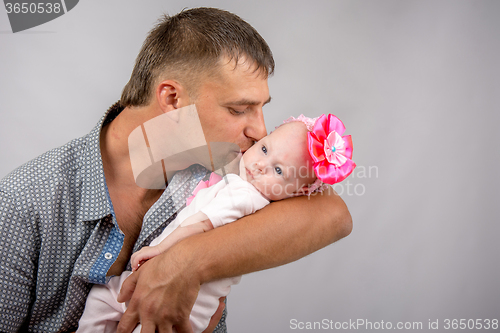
<point x="147" y="252"/>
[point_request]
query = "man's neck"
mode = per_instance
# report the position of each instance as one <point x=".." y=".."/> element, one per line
<point x="130" y="202"/>
<point x="115" y="151"/>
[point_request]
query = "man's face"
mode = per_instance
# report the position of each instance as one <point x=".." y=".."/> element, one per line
<point x="230" y="106"/>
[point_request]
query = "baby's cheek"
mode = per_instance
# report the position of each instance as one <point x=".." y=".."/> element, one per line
<point x="262" y="186"/>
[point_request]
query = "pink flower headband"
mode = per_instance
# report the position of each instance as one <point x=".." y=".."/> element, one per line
<point x="331" y="152"/>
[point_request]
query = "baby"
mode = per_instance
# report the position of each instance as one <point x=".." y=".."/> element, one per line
<point x="298" y="158"/>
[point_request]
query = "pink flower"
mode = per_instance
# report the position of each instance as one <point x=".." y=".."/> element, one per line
<point x="330" y="151"/>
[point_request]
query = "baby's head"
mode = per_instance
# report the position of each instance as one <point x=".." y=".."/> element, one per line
<point x="279" y="165"/>
<point x="287" y="163"/>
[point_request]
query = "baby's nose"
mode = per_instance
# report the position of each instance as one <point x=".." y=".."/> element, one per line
<point x="260" y="166"/>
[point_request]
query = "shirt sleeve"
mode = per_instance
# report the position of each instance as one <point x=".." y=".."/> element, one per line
<point x="17" y="265"/>
<point x="237" y="199"/>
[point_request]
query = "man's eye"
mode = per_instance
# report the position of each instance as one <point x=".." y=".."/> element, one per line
<point x="278" y="170"/>
<point x="235" y="112"/>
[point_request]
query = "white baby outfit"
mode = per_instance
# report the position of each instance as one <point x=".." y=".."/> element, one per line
<point x="224" y="202"/>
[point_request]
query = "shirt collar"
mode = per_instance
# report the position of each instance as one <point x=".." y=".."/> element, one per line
<point x="93" y="202"/>
<point x="172" y="200"/>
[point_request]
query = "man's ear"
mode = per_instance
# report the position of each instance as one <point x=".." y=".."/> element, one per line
<point x="171" y="95"/>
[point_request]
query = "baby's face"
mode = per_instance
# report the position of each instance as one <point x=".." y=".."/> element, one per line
<point x="279" y="164"/>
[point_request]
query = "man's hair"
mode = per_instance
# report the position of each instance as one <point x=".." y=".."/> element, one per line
<point x="190" y="45"/>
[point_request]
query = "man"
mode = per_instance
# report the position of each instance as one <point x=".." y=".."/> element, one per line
<point x="73" y="216"/>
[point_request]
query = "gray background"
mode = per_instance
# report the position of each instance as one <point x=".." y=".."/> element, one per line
<point x="415" y="82"/>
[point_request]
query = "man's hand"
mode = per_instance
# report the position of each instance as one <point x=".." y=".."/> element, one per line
<point x="161" y="293"/>
<point x="139" y="257"/>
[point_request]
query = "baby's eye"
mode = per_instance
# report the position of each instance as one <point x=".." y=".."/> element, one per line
<point x="278" y="170"/>
<point x="264" y="149"/>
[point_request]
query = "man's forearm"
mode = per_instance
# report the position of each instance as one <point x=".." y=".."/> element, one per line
<point x="282" y="232"/>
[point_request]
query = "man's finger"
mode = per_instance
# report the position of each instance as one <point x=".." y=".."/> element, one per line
<point x="184" y="327"/>
<point x="150" y="327"/>
<point x="128" y="287"/>
<point x="128" y="322"/>
<point x="216" y="317"/>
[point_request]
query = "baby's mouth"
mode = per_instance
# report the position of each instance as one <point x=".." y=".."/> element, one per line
<point x="249" y="174"/>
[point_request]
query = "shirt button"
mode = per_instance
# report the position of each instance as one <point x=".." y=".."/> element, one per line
<point x="108" y="256"/>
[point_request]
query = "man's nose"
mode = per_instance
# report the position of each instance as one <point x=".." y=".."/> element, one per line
<point x="256" y="128"/>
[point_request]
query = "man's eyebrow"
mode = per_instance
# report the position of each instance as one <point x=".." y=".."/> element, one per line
<point x="248" y="102"/>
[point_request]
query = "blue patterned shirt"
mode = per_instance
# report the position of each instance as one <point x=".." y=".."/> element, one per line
<point x="58" y="235"/>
